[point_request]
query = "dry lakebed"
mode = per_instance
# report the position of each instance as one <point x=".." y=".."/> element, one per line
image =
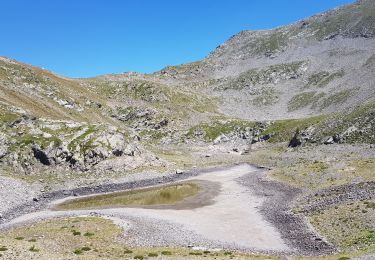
<point x="233" y="208"/>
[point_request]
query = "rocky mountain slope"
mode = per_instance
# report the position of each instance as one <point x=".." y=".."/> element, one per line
<point x="318" y="65"/>
<point x="312" y="80"/>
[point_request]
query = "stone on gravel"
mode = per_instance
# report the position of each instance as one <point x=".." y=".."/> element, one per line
<point x="330" y="140"/>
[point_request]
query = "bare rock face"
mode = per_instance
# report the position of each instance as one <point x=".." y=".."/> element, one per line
<point x="3" y="146"/>
<point x="117" y="143"/>
<point x="220" y="139"/>
<point x="41" y="156"/>
<point x="295" y="141"/>
<point x="45" y="143"/>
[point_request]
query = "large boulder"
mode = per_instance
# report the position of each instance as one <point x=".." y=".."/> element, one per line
<point x="96" y="155"/>
<point x="295" y="141"/>
<point x="221" y="139"/>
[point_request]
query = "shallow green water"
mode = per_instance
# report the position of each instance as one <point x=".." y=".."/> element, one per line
<point x="165" y="195"/>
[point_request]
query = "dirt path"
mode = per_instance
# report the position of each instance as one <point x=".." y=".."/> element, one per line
<point x="236" y="218"/>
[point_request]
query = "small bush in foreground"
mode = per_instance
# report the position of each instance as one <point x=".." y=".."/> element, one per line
<point x="76" y="233"/>
<point x="78" y="251"/>
<point x="33" y="249"/>
<point x="195" y="253"/>
<point x="88" y="234"/>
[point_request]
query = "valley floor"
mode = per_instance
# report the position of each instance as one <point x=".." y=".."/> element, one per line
<point x="251" y="213"/>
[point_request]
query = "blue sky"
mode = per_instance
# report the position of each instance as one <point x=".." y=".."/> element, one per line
<point x="82" y="38"/>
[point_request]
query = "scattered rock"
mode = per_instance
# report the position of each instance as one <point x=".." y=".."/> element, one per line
<point x="245" y="151"/>
<point x="221" y="139"/>
<point x="330" y="140"/>
<point x="178" y="171"/>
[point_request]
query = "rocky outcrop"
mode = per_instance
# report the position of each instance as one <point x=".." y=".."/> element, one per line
<point x="41" y="155"/>
<point x="28" y="145"/>
<point x="295" y="141"/>
<point x="3" y="145"/>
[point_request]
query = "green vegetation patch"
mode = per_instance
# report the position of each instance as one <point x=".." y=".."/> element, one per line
<point x="108" y="242"/>
<point x="276" y="41"/>
<point x="336" y="98"/>
<point x="349" y="226"/>
<point x="303" y="173"/>
<point x="212" y="130"/>
<point x="304" y="99"/>
<point x="138" y="89"/>
<point x="183" y="68"/>
<point x="323" y="78"/>
<point x="283" y="130"/>
<point x="264" y="76"/>
<point x="352" y="21"/>
<point x="182" y="102"/>
<point x="151" y="196"/>
<point x="79" y="140"/>
<point x="153" y="135"/>
<point x="362" y="168"/>
<point x="7" y="117"/>
<point x="33" y="249"/>
<point x="355" y="126"/>
<point x="267" y="44"/>
<point x="267" y="97"/>
<point x="43" y="142"/>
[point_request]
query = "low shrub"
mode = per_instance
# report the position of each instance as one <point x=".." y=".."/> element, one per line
<point x="78" y="251"/>
<point x="33" y="249"/>
<point x="166" y="253"/>
<point x="76" y="233"/>
<point x="88" y="234"/>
